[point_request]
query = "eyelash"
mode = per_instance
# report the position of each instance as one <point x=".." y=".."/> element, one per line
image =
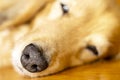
<point x="65" y="8"/>
<point x="93" y="49"/>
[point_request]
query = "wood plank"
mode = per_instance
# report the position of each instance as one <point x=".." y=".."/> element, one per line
<point x="103" y="70"/>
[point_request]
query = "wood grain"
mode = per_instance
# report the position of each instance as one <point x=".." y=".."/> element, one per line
<point x="102" y="70"/>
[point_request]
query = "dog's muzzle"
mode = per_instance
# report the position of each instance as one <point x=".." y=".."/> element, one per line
<point x="32" y="59"/>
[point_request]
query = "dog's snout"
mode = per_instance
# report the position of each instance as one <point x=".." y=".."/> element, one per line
<point x="32" y="59"/>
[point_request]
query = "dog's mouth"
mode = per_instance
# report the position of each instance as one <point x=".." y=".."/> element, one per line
<point x="32" y="59"/>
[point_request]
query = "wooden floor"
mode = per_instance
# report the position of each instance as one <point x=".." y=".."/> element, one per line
<point x="103" y="70"/>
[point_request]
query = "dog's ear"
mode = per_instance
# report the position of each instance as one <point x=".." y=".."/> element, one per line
<point x="15" y="12"/>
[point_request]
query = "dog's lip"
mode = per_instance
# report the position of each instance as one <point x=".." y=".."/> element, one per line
<point x="22" y="71"/>
<point x="20" y="68"/>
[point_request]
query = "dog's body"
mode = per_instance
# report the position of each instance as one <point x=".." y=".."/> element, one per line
<point x="67" y="33"/>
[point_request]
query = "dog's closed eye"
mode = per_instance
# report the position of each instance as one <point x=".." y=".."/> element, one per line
<point x="65" y="8"/>
<point x="92" y="48"/>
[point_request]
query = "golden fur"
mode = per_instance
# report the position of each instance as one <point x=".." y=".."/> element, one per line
<point x="63" y="37"/>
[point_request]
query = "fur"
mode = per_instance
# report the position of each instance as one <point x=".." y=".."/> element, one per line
<point x="63" y="36"/>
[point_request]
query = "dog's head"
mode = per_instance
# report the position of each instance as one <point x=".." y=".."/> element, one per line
<point x="66" y="33"/>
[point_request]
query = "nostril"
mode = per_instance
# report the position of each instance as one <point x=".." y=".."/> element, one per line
<point x="34" y="66"/>
<point x="26" y="56"/>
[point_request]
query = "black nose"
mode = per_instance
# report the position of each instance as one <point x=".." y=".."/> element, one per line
<point x="33" y="59"/>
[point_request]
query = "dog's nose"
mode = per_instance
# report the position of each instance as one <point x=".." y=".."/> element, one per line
<point x="32" y="59"/>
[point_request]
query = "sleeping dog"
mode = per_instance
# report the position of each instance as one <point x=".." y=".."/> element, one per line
<point x="47" y="36"/>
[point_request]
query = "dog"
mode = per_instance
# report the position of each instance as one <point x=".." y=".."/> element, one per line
<point x="48" y="36"/>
